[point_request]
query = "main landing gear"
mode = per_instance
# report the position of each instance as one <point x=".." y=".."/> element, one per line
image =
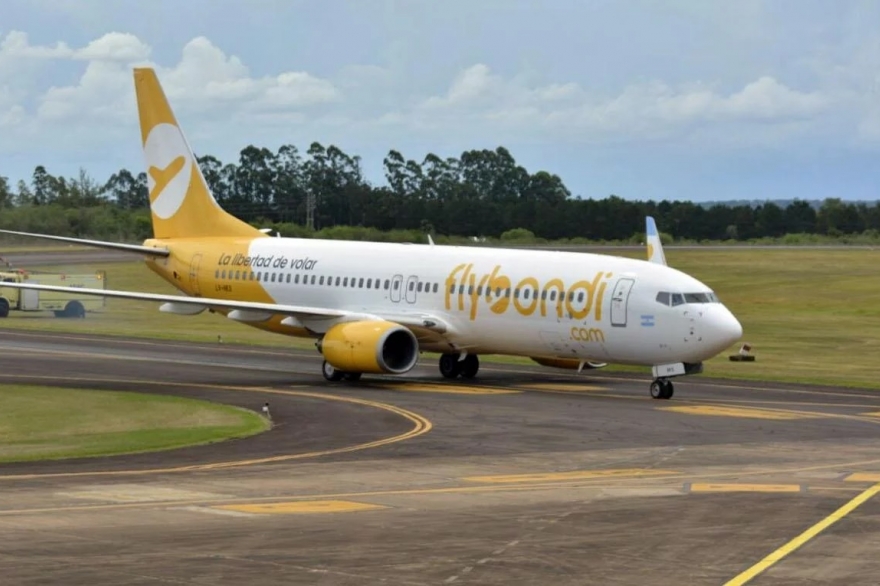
<point x="453" y="365"/>
<point x="333" y="375"/>
<point x="662" y="388"/>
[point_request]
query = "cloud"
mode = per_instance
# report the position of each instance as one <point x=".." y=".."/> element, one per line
<point x="81" y="97"/>
<point x="205" y="80"/>
<point x="638" y="111"/>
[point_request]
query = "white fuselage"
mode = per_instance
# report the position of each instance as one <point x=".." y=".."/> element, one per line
<point x="495" y="301"/>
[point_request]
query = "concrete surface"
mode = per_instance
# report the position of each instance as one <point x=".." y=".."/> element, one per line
<point x="522" y="476"/>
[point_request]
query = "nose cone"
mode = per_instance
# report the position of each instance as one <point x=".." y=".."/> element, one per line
<point x="722" y="329"/>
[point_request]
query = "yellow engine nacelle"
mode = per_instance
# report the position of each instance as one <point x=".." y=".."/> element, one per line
<point x="567" y="363"/>
<point x="375" y="347"/>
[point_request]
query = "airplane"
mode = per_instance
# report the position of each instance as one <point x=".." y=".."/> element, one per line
<point x="373" y="308"/>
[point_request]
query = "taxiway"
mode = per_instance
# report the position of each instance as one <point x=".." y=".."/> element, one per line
<point x="526" y="475"/>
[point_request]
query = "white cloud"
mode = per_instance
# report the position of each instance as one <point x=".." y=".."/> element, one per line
<point x="115" y="47"/>
<point x="222" y="101"/>
<point x="17" y="46"/>
<point x="645" y="110"/>
<point x="205" y="80"/>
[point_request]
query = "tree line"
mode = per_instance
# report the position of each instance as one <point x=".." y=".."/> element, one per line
<point x="482" y="193"/>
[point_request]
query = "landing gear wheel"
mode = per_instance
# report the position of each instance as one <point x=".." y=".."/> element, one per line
<point x="450" y="367"/>
<point x="330" y="372"/>
<point x="470" y="366"/>
<point x="662" y="389"/>
<point x="352" y="376"/>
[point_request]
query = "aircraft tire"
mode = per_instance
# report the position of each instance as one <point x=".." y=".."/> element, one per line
<point x="662" y="389"/>
<point x="450" y="367"/>
<point x="352" y="376"/>
<point x="330" y="373"/>
<point x="470" y="366"/>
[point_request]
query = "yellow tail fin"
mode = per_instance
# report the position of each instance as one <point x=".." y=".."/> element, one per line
<point x="180" y="202"/>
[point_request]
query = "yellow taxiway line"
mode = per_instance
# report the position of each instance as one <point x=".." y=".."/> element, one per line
<point x="790" y="547"/>
<point x="421" y="425"/>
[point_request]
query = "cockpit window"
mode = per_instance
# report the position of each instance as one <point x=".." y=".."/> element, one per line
<point x="673" y="299"/>
<point x="699" y="298"/>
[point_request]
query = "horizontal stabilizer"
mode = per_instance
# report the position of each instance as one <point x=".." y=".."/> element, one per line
<point x="134" y="248"/>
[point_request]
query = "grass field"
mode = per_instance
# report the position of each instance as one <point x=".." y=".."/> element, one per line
<point x="42" y="423"/>
<point x="811" y="315"/>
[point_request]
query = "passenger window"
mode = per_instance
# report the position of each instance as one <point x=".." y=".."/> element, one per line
<point x="313" y="279"/>
<point x="552" y="295"/>
<point x="461" y="289"/>
<point x="663" y="297"/>
<point x="581" y="297"/>
<point x="296" y="279"/>
<point x="321" y="280"/>
<point x="480" y="290"/>
<point x="345" y="282"/>
<point x="677" y="299"/>
<point x="435" y="287"/>
<point x="369" y="283"/>
<point x="396" y="285"/>
<point x="273" y="277"/>
<point x="251" y="276"/>
<point x="259" y="276"/>
<point x="387" y="282"/>
<point x="419" y="288"/>
<point x="544" y="294"/>
<point x="516" y="293"/>
<point x="216" y="276"/>
<point x="526" y="293"/>
<point x="237" y="275"/>
<point x="222" y="274"/>
<point x="361" y="283"/>
<point x="452" y="288"/>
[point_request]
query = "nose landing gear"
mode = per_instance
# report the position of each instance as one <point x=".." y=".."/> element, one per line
<point x="662" y="388"/>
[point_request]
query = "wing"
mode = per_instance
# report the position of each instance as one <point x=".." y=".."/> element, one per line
<point x="317" y="319"/>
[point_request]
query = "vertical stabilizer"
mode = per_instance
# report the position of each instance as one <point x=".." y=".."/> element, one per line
<point x="655" y="247"/>
<point x="181" y="204"/>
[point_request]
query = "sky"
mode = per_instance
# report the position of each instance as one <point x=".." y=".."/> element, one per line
<point x="644" y="99"/>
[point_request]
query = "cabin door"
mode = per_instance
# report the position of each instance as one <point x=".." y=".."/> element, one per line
<point x="619" y="301"/>
<point x="194" y="275"/>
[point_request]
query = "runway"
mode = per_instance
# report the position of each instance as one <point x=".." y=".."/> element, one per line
<point x="524" y="476"/>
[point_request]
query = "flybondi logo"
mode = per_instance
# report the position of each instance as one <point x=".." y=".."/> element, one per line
<point x="169" y="166"/>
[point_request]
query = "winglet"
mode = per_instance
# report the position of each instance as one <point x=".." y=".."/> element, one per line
<point x="655" y="247"/>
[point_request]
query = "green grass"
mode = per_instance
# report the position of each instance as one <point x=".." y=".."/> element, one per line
<point x="812" y="316"/>
<point x="43" y="423"/>
<point x="18" y="248"/>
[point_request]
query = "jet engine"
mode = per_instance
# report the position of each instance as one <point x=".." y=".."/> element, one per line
<point x="375" y="347"/>
<point x="567" y="363"/>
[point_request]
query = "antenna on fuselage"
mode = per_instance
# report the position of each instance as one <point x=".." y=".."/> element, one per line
<point x="655" y="247"/>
